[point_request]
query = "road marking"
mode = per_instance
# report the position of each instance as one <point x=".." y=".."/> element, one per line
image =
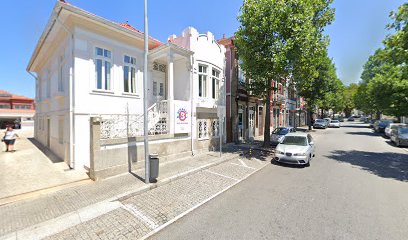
<point x="242" y="162"/>
<point x="135" y="212"/>
<point x="222" y="175"/>
<point x="236" y="164"/>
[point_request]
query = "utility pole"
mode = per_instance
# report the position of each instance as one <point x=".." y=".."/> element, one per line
<point x="145" y="93"/>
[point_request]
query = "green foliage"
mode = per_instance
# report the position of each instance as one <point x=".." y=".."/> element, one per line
<point x="280" y="39"/>
<point x="385" y="76"/>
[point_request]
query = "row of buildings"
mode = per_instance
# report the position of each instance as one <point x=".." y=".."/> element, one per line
<point x="89" y="93"/>
<point x="16" y="110"/>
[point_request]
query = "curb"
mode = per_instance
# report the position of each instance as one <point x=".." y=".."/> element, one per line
<point x="161" y="227"/>
<point x="63" y="222"/>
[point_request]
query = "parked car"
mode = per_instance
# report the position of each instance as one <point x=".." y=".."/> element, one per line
<point x="341" y="119"/>
<point x="279" y="134"/>
<point x="327" y="120"/>
<point x="381" y="125"/>
<point x="296" y="148"/>
<point x="372" y="123"/>
<point x="400" y="136"/>
<point x="334" y="124"/>
<point x="320" y="123"/>
<point x="350" y="119"/>
<point x="392" y="126"/>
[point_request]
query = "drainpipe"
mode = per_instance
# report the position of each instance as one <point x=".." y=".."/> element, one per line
<point x="192" y="102"/>
<point x="71" y="98"/>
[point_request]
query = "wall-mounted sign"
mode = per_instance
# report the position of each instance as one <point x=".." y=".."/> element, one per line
<point x="182" y="117"/>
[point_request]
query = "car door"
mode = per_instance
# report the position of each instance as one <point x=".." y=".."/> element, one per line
<point x="312" y="146"/>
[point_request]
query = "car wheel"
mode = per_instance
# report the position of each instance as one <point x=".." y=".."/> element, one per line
<point x="308" y="162"/>
<point x="397" y="143"/>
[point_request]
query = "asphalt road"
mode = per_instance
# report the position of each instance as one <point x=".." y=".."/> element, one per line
<point x="356" y="188"/>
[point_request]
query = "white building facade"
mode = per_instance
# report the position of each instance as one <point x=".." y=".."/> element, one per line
<point x="89" y="67"/>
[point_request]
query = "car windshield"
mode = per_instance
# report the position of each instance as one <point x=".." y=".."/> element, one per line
<point x="319" y="120"/>
<point x="334" y="121"/>
<point x="280" y="131"/>
<point x="295" y="140"/>
<point x="403" y="130"/>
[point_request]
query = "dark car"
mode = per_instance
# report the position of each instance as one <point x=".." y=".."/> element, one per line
<point x="350" y="119"/>
<point x="371" y="123"/>
<point x="381" y="125"/>
<point x="320" y="123"/>
<point x="400" y="136"/>
<point x="279" y="134"/>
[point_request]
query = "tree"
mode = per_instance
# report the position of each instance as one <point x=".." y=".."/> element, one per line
<point x="275" y="37"/>
<point x="349" y="96"/>
<point x="384" y="86"/>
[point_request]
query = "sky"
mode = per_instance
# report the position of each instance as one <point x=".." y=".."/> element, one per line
<point x="356" y="33"/>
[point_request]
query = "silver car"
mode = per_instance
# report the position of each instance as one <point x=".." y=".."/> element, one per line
<point x="400" y="136"/>
<point x="279" y="134"/>
<point x="391" y="127"/>
<point x="296" y="148"/>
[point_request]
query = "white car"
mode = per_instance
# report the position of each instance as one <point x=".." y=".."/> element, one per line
<point x="296" y="148"/>
<point x="334" y="123"/>
<point x="392" y="126"/>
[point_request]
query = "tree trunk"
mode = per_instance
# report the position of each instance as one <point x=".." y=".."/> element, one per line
<point x="267" y="129"/>
<point x="309" y="119"/>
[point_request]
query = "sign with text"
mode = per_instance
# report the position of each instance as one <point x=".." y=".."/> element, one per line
<point x="182" y="116"/>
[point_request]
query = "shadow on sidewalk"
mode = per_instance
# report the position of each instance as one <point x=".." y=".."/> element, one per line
<point x="50" y="155"/>
<point x="386" y="165"/>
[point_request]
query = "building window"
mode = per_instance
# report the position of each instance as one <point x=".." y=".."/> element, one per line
<point x="215" y="126"/>
<point x="22" y="107"/>
<point x="61" y="130"/>
<point x="129" y="74"/>
<point x="103" y="68"/>
<point x="241" y="75"/>
<point x="215" y="83"/>
<point x="202" y="129"/>
<point x="154" y="88"/>
<point x="61" y="74"/>
<point x="202" y="81"/>
<point x="161" y="90"/>
<point x="48" y="87"/>
<point x="4" y="106"/>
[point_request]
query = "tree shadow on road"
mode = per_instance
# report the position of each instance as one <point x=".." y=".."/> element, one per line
<point x="386" y="165"/>
<point x="365" y="133"/>
<point x="354" y="126"/>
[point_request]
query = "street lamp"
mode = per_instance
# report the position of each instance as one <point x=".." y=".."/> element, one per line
<point x="145" y="92"/>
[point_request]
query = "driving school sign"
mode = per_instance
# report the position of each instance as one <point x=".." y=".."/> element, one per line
<point x="182" y="117"/>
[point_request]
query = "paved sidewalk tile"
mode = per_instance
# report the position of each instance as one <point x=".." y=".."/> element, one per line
<point x="150" y="210"/>
<point x="22" y="214"/>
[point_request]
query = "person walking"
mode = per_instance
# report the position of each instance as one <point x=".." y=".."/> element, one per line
<point x="10" y="138"/>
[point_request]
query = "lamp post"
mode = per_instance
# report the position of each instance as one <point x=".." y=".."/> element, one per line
<point x="145" y="93"/>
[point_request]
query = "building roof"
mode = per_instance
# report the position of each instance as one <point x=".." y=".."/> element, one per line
<point x="7" y="95"/>
<point x="64" y="5"/>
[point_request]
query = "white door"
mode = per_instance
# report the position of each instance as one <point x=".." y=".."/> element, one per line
<point x="251" y="124"/>
<point x="158" y="89"/>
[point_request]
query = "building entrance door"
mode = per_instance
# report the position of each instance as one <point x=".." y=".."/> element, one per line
<point x="251" y="123"/>
<point x="260" y="121"/>
<point x="240" y="124"/>
<point x="48" y="132"/>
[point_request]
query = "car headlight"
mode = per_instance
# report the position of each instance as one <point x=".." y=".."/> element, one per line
<point x="299" y="154"/>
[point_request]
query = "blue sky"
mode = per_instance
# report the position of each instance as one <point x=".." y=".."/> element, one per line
<point x="357" y="31"/>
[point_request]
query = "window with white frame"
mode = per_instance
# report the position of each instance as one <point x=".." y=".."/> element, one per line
<point x="103" y="66"/>
<point x="202" y="129"/>
<point x="215" y="83"/>
<point x="129" y="74"/>
<point x="241" y="74"/>
<point x="61" y="74"/>
<point x="202" y="81"/>
<point x="215" y="126"/>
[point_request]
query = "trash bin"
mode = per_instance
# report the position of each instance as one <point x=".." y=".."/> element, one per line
<point x="154" y="167"/>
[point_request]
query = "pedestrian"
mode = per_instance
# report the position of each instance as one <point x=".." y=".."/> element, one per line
<point x="10" y="138"/>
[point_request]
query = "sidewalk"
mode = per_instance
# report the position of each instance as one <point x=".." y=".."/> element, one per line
<point x="29" y="169"/>
<point x="21" y="220"/>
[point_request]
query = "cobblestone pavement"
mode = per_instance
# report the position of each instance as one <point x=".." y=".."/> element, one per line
<point x="142" y="214"/>
<point x="23" y="214"/>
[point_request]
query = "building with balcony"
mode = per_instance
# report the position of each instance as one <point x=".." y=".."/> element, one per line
<point x="245" y="113"/>
<point x="89" y="89"/>
<point x="17" y="111"/>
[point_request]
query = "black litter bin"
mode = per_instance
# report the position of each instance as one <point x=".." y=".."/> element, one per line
<point x="154" y="167"/>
